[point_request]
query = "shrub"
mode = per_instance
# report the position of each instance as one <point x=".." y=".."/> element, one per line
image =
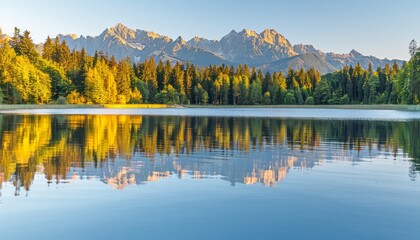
<point x="290" y="99"/>
<point x="61" y="100"/>
<point x="310" y="101"/>
<point x="121" y="99"/>
<point x="267" y="98"/>
<point x="136" y="96"/>
<point x="74" y="97"/>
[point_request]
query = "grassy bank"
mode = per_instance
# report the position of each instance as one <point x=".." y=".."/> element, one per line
<point x="120" y="106"/>
<point x="354" y="106"/>
<point x="70" y="106"/>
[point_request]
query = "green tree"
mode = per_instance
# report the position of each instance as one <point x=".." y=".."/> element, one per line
<point x="299" y="97"/>
<point x="322" y="92"/>
<point x="205" y="97"/>
<point x="414" y="81"/>
<point x="198" y="93"/>
<point x="244" y="89"/>
<point x="267" y="82"/>
<point x="255" y="92"/>
<point x="168" y="95"/>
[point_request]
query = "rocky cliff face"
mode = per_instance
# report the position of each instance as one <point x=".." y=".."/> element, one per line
<point x="139" y="45"/>
<point x="248" y="47"/>
<point x="268" y="50"/>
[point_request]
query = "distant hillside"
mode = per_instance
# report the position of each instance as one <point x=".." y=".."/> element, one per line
<point x="305" y="61"/>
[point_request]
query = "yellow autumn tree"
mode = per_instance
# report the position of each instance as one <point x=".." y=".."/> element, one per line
<point x="100" y="84"/>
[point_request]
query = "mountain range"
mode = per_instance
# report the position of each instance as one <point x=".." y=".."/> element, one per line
<point x="268" y="50"/>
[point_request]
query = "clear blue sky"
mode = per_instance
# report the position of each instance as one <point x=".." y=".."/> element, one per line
<point x="382" y="28"/>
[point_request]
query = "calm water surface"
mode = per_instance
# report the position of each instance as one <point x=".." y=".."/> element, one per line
<point x="298" y="113"/>
<point x="196" y="177"/>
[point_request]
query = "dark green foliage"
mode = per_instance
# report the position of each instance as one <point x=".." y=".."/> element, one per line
<point x="255" y="95"/>
<point x="290" y="98"/>
<point x="299" y="97"/>
<point x="144" y="90"/>
<point x="323" y="91"/>
<point x="309" y="101"/>
<point x="168" y="95"/>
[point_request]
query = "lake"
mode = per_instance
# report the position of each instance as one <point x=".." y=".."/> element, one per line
<point x="209" y="174"/>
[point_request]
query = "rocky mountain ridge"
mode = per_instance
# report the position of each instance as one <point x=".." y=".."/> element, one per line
<point x="268" y="50"/>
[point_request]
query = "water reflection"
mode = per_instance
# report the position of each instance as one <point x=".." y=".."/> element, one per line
<point x="132" y="150"/>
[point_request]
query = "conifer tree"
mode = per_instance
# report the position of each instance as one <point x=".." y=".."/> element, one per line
<point x="123" y="79"/>
<point x="47" y="50"/>
<point x="267" y="82"/>
<point x="412" y="48"/>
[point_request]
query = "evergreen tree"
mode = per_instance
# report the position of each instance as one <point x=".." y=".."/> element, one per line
<point x="177" y="77"/>
<point x="188" y="81"/>
<point x="267" y="82"/>
<point x="160" y="75"/>
<point x="260" y="76"/>
<point x="27" y="47"/>
<point x="414" y="80"/>
<point x="15" y="43"/>
<point x="412" y="48"/>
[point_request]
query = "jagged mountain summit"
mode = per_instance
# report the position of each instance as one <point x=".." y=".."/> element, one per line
<point x="268" y="50"/>
<point x="139" y="45"/>
<point x="248" y="46"/>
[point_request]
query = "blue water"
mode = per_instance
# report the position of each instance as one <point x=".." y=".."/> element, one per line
<point x="181" y="177"/>
<point x="299" y="113"/>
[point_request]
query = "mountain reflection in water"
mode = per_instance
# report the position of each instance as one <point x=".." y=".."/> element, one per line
<point x="132" y="150"/>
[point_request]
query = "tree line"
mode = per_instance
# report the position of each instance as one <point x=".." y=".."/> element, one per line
<point x="62" y="75"/>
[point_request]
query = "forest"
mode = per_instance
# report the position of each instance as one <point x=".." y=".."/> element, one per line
<point x="63" y="76"/>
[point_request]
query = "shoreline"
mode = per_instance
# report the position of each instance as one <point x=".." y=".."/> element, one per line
<point x="353" y="107"/>
<point x="9" y="107"/>
<point x="248" y="112"/>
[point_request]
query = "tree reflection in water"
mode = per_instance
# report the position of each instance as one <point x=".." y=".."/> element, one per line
<point x="126" y="150"/>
